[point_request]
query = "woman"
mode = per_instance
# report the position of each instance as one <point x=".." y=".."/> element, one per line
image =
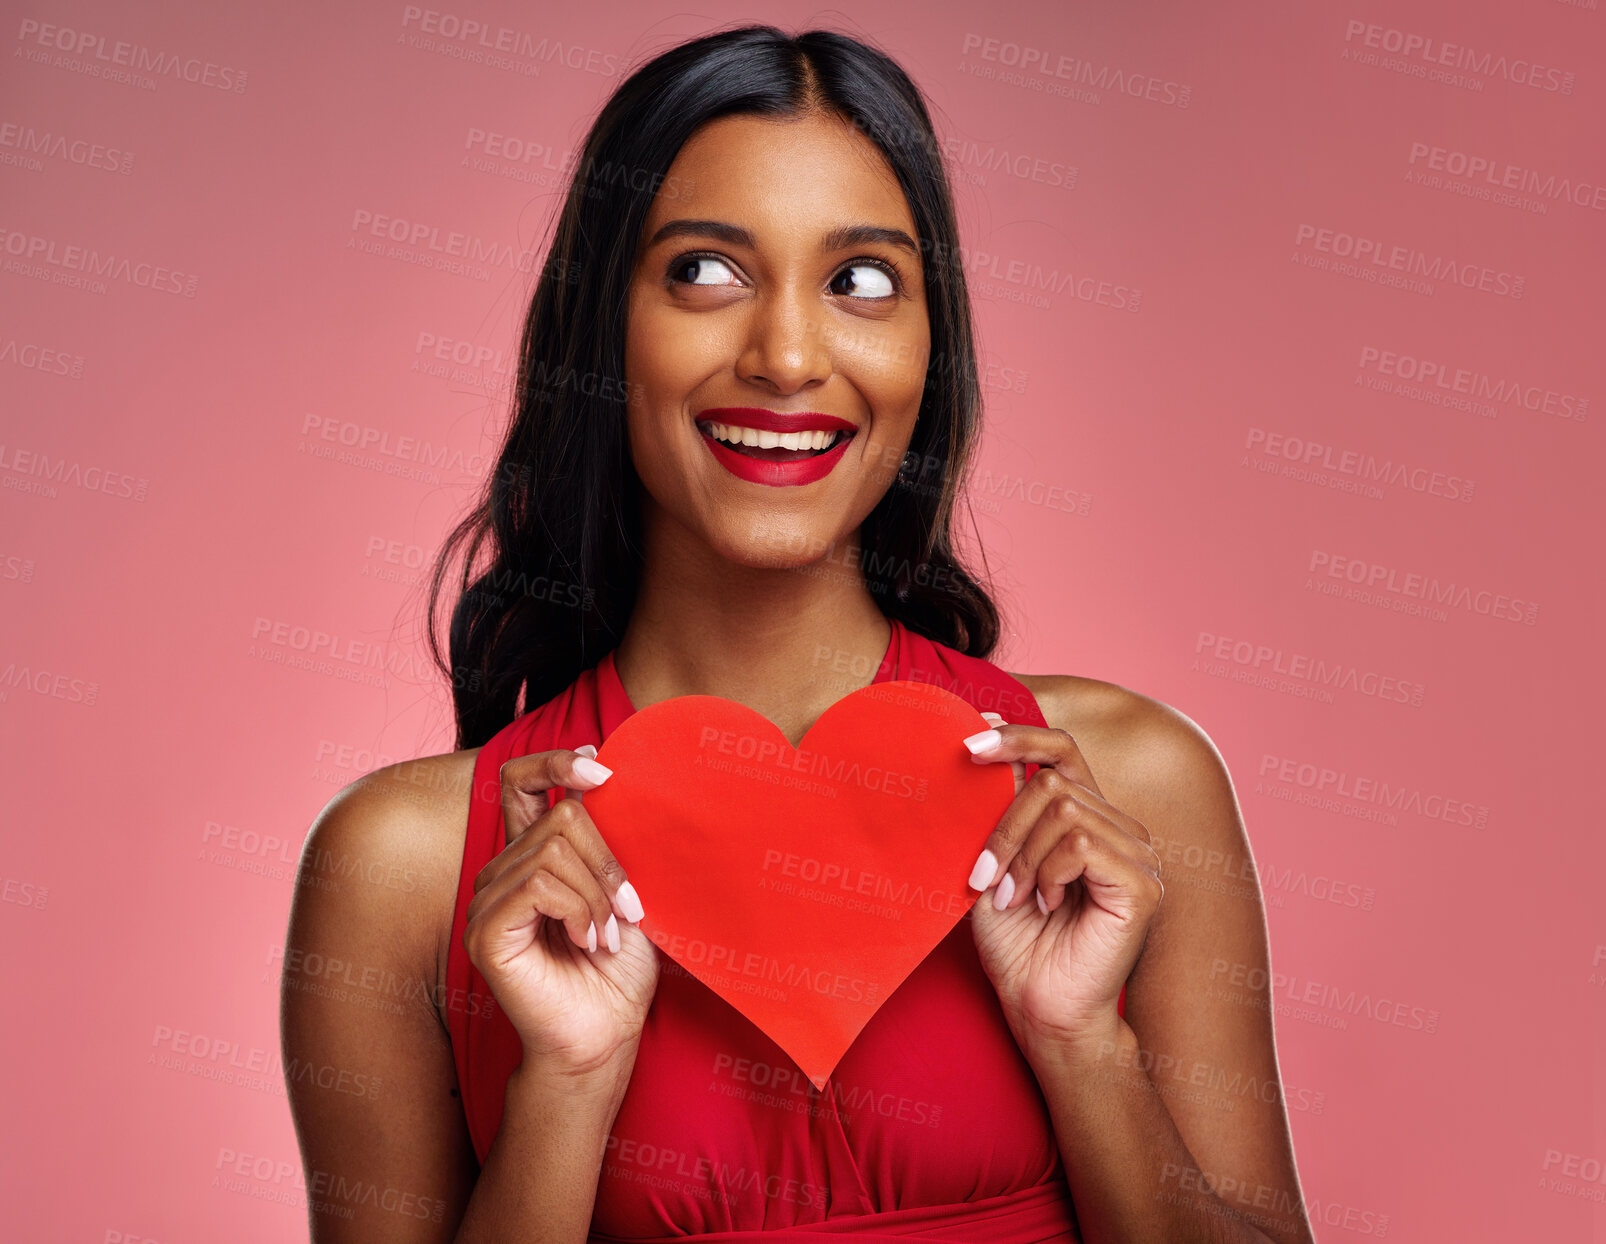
<point x="745" y="405"/>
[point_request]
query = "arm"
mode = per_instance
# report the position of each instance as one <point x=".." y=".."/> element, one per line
<point x="395" y="1161"/>
<point x="1173" y="1120"/>
<point x="1132" y="1175"/>
<point x="539" y="1184"/>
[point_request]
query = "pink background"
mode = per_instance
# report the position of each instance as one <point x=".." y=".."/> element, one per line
<point x="168" y="499"/>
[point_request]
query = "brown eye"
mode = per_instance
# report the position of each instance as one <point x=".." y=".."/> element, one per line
<point x="701" y="270"/>
<point x="871" y="281"/>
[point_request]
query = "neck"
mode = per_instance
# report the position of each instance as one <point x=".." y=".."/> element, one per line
<point x="787" y="643"/>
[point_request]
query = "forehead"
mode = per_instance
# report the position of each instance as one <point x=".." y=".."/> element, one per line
<point x="804" y="174"/>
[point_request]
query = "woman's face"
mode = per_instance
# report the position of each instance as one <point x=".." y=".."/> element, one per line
<point x="751" y="297"/>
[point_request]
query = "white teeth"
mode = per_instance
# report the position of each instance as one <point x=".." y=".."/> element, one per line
<point x="818" y="439"/>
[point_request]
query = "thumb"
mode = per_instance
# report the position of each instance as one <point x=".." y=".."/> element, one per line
<point x="1015" y="766"/>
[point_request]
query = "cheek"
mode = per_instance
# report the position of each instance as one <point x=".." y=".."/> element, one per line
<point x="653" y="385"/>
<point x="668" y="354"/>
<point x="663" y="367"/>
<point x="890" y="372"/>
<point x="892" y="379"/>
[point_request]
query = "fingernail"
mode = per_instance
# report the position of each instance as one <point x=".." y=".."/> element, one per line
<point x="611" y="931"/>
<point x="1005" y="892"/>
<point x="1041" y="905"/>
<point x="994" y="718"/>
<point x="628" y="904"/>
<point x="586" y="749"/>
<point x="591" y="771"/>
<point x="591" y="935"/>
<point x="986" y="869"/>
<point x="983" y="742"/>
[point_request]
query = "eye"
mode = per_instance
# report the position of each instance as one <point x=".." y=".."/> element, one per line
<point x="875" y="280"/>
<point x="704" y="269"/>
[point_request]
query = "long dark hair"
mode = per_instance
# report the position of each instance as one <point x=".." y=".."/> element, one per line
<point x="559" y="519"/>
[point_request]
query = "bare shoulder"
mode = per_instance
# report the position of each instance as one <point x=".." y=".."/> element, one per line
<point x="414" y="811"/>
<point x="418" y="800"/>
<point x="395" y="837"/>
<point x="1155" y="755"/>
<point x="371" y="1077"/>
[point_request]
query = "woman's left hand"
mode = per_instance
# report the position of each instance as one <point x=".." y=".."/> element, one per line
<point x="1074" y="885"/>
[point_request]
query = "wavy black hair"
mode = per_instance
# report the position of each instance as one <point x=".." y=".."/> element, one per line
<point x="554" y="543"/>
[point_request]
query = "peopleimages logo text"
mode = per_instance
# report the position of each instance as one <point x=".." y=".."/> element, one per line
<point x="1412" y="46"/>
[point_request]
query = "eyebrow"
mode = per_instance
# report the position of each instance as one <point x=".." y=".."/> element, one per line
<point x="840" y="238"/>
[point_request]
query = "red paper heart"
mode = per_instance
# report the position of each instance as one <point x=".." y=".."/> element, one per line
<point x="801" y="885"/>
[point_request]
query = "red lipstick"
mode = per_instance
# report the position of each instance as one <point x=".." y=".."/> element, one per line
<point x="794" y="466"/>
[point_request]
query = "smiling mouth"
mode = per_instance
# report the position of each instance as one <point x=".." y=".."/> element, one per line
<point x="772" y="446"/>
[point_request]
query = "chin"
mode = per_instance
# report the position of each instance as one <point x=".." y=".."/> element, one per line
<point x="772" y="541"/>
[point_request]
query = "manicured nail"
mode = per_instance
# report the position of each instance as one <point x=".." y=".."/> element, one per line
<point x="983" y="742"/>
<point x="1005" y="892"/>
<point x="628" y="904"/>
<point x="591" y="771"/>
<point x="993" y="718"/>
<point x="986" y="869"/>
<point x="586" y="749"/>
<point x="591" y="935"/>
<point x="1041" y="905"/>
<point x="611" y="932"/>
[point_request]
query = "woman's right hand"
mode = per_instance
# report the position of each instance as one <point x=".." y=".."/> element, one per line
<point x="546" y="911"/>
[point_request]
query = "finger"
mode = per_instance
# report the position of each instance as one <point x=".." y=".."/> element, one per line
<point x="569" y="819"/>
<point x="626" y="903"/>
<point x="506" y="915"/>
<point x="557" y="855"/>
<point x="575" y="823"/>
<point x="1110" y="877"/>
<point x="1051" y="857"/>
<point x="992" y="866"/>
<point x="1009" y="868"/>
<point x="1018" y="768"/>
<point x="585" y="749"/>
<point x="526" y="781"/>
<point x="1039" y="745"/>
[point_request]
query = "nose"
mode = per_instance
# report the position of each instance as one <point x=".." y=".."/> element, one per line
<point x="785" y="348"/>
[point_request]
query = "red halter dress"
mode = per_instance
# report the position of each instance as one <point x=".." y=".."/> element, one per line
<point x="932" y="1126"/>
